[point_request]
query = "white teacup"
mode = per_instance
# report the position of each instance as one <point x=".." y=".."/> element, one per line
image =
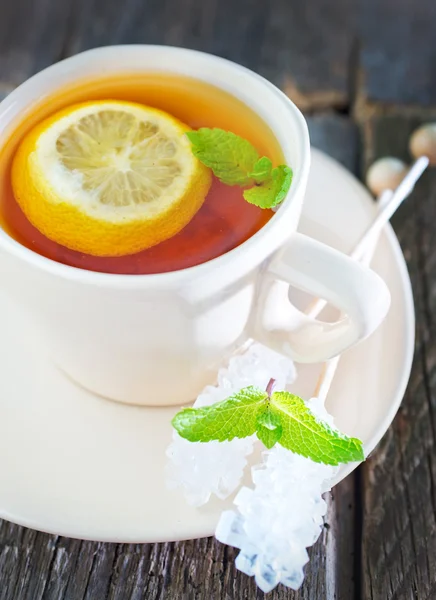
<point x="159" y="339"/>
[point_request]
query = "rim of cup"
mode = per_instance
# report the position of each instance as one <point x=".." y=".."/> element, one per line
<point x="273" y="106"/>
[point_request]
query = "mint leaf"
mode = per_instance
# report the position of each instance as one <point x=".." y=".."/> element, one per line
<point x="281" y="417"/>
<point x="305" y="434"/>
<point x="271" y="191"/>
<point x="262" y="170"/>
<point x="236" y="162"/>
<point x="234" y="417"/>
<point x="269" y="427"/>
<point x="230" y="157"/>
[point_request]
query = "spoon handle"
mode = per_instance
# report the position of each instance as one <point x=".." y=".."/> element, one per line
<point x="391" y="201"/>
<point x="387" y="204"/>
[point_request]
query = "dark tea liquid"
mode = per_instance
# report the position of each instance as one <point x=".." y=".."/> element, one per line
<point x="225" y="220"/>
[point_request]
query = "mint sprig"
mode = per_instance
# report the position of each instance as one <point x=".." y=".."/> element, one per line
<point x="235" y="161"/>
<point x="279" y="417"/>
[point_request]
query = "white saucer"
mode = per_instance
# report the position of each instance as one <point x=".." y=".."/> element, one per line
<point x="77" y="465"/>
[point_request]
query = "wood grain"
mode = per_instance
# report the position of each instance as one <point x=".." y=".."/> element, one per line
<point x="37" y="566"/>
<point x="307" y="51"/>
<point x="302" y="47"/>
<point x="336" y="135"/>
<point x="32" y="36"/>
<point x="397" y="53"/>
<point x="399" y="502"/>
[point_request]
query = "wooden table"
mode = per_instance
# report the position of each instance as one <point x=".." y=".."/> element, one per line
<point x="364" y="72"/>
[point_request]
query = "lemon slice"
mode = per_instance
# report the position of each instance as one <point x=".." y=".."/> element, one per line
<point x="109" y="178"/>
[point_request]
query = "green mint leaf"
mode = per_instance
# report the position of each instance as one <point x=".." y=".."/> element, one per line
<point x="230" y="157"/>
<point x="305" y="434"/>
<point x="262" y="170"/>
<point x="234" y="417"/>
<point x="269" y="426"/>
<point x="273" y="190"/>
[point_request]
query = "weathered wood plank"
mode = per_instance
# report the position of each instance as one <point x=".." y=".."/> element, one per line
<point x="339" y="544"/>
<point x="397" y="51"/>
<point x="399" y="518"/>
<point x="230" y="29"/>
<point x="307" y="50"/>
<point x="32" y="36"/>
<point x="36" y="566"/>
<point x="337" y="136"/>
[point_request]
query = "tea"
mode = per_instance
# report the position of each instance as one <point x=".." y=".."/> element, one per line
<point x="225" y="219"/>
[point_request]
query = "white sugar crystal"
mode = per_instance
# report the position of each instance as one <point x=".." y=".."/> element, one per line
<point x="267" y="577"/>
<point x="206" y="469"/>
<point x="317" y="407"/>
<point x="293" y="579"/>
<point x="277" y="520"/>
<point x="243" y="562"/>
<point x="203" y="469"/>
<point x="255" y="367"/>
<point x="230" y="528"/>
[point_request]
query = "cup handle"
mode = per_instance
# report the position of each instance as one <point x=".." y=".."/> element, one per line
<point x="360" y="294"/>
